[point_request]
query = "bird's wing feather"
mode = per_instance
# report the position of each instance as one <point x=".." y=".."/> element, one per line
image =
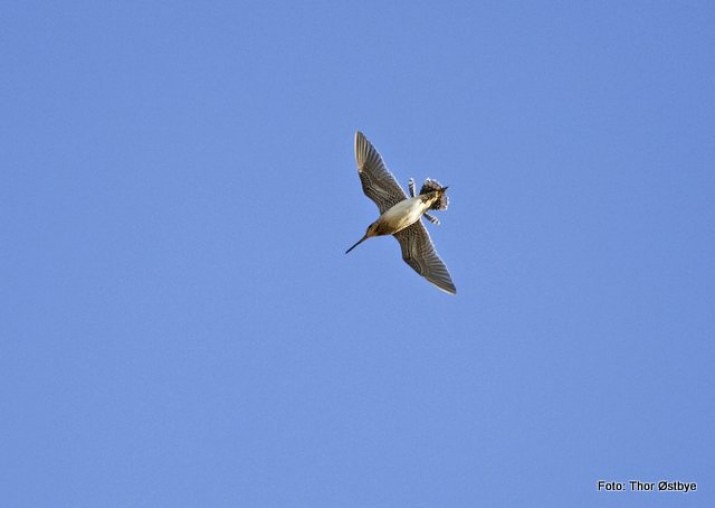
<point x="419" y="252"/>
<point x="377" y="182"/>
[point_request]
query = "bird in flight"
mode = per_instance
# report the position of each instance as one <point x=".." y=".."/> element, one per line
<point x="400" y="215"/>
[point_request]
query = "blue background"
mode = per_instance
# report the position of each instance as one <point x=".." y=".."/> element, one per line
<point x="179" y="325"/>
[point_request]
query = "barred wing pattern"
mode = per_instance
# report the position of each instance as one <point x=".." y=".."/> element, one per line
<point x="377" y="182"/>
<point x="420" y="254"/>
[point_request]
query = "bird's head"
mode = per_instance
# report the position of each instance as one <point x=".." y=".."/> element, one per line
<point x="372" y="230"/>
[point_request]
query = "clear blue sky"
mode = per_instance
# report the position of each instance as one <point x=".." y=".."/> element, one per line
<point x="179" y="325"/>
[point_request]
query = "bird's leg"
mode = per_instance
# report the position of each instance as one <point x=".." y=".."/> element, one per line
<point x="434" y="220"/>
<point x="411" y="185"/>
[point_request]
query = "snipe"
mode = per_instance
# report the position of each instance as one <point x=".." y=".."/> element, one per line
<point x="400" y="215"/>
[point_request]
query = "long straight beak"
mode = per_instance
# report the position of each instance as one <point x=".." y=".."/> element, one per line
<point x="358" y="243"/>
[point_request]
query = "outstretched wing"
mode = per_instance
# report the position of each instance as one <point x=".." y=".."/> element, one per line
<point x="377" y="182"/>
<point x="419" y="252"/>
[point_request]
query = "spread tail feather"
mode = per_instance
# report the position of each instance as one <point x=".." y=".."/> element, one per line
<point x="434" y="186"/>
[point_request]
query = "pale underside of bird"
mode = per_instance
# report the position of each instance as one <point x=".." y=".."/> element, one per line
<point x="401" y="215"/>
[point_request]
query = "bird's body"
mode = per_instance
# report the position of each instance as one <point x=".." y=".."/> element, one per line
<point x="400" y="215"/>
<point x="405" y="213"/>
